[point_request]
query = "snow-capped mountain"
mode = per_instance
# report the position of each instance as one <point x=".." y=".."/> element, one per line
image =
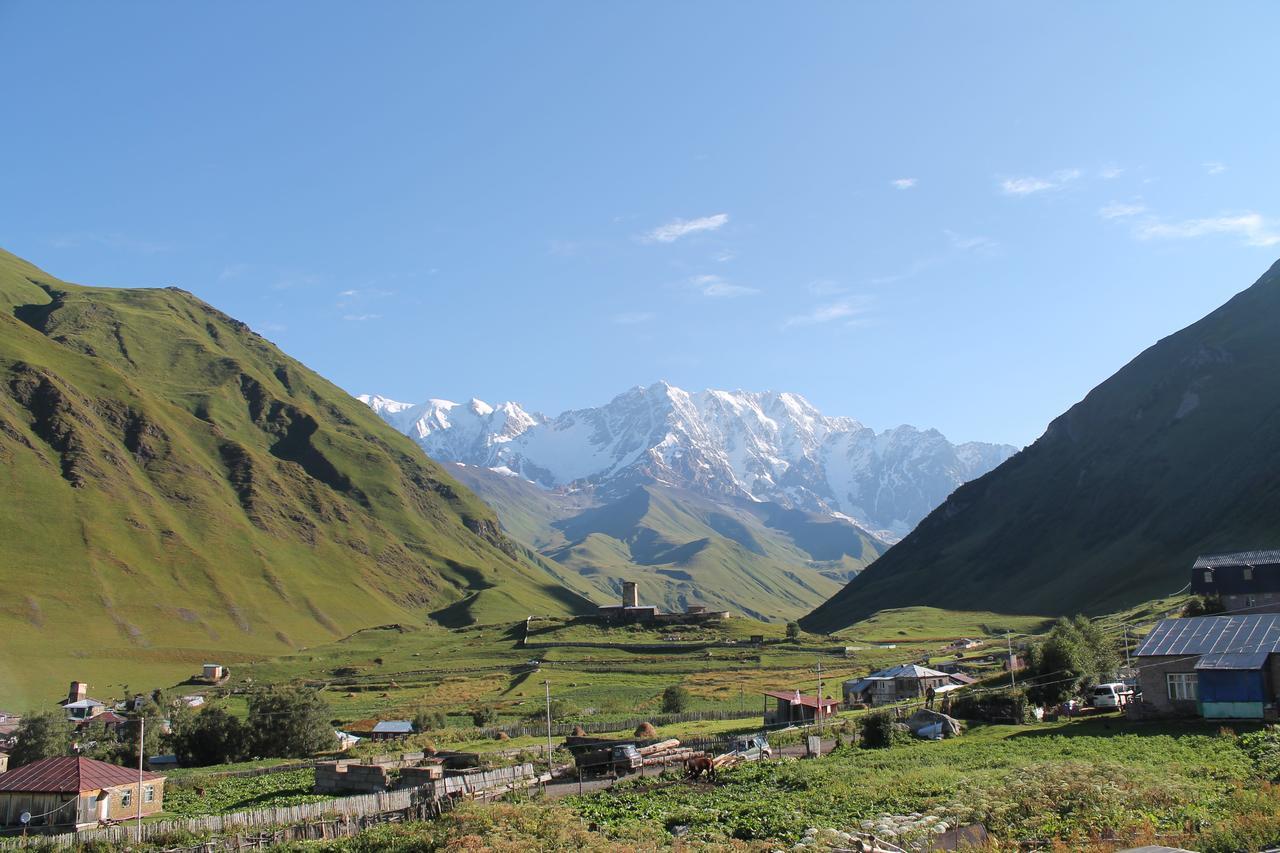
<point x="759" y="445"/>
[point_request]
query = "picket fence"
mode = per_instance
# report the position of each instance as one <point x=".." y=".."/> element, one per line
<point x="341" y="816"/>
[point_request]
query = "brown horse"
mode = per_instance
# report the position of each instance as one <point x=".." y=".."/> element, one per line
<point x="700" y="766"/>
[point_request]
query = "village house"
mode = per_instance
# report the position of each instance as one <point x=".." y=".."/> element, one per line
<point x="902" y="683"/>
<point x="76" y="792"/>
<point x="391" y="729"/>
<point x="794" y="708"/>
<point x="1217" y="667"/>
<point x="79" y="706"/>
<point x="1247" y="581"/>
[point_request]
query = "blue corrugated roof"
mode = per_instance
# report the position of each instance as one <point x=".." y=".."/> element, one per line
<point x="1231" y="660"/>
<point x="1202" y="635"/>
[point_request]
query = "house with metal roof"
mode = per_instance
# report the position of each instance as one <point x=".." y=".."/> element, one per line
<point x="391" y="729"/>
<point x="76" y="792"/>
<point x="795" y="708"/>
<point x="899" y="684"/>
<point x="1245" y="582"/>
<point x="1218" y="667"/>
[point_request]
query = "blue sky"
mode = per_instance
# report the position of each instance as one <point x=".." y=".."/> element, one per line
<point x="952" y="215"/>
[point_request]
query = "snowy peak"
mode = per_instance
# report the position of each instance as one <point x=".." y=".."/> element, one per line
<point x="760" y="446"/>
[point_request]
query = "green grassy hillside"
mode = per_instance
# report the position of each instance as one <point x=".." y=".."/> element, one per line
<point x="1175" y="455"/>
<point x="757" y="559"/>
<point x="174" y="488"/>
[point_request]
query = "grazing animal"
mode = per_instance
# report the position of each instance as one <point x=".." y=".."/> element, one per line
<point x="700" y="766"/>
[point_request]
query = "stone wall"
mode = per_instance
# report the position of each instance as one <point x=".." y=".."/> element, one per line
<point x="353" y="777"/>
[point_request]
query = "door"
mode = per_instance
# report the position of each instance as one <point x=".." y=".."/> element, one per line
<point x="104" y="805"/>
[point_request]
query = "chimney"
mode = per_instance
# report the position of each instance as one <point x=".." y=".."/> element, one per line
<point x="78" y="690"/>
<point x="630" y="596"/>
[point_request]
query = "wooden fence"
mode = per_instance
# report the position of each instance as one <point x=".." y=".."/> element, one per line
<point x="337" y="817"/>
<point x="600" y="726"/>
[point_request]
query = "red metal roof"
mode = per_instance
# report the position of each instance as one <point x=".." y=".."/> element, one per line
<point x="69" y="776"/>
<point x="807" y="701"/>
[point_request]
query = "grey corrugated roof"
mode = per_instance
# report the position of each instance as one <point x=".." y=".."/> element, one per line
<point x="1240" y="558"/>
<point x="1231" y="660"/>
<point x="1201" y="635"/>
<point x="398" y="727"/>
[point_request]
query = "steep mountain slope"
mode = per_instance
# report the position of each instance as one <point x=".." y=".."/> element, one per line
<point x="173" y="487"/>
<point x="764" y="446"/>
<point x="1176" y="454"/>
<point x="751" y="557"/>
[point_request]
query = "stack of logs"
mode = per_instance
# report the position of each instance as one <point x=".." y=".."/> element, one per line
<point x="728" y="759"/>
<point x="666" y="752"/>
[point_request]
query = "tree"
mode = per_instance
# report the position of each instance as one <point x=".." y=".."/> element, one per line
<point x="675" y="699"/>
<point x="793" y="631"/>
<point x="1072" y="658"/>
<point x="44" y="735"/>
<point x="425" y="721"/>
<point x="485" y="715"/>
<point x="211" y="736"/>
<point x="290" y="722"/>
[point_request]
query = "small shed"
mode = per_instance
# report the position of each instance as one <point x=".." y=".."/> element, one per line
<point x="391" y="729"/>
<point x="794" y="708"/>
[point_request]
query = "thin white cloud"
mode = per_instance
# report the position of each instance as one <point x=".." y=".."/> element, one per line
<point x="349" y="293"/>
<point x="845" y="310"/>
<point x="677" y="228"/>
<point x="1031" y="185"/>
<point x="270" y="327"/>
<point x="1121" y="210"/>
<point x="1213" y="167"/>
<point x="971" y="244"/>
<point x="1251" y="227"/>
<point x="825" y="287"/>
<point x="1107" y="173"/>
<point x="716" y="287"/>
<point x="360" y="318"/>
<point x="111" y="240"/>
<point x="632" y="318"/>
<point x="723" y="256"/>
<point x="904" y="183"/>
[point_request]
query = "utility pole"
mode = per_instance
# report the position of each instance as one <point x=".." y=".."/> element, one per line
<point x="819" y="709"/>
<point x="142" y="740"/>
<point x="1126" y="646"/>
<point x="550" y="764"/>
<point x="1012" y="664"/>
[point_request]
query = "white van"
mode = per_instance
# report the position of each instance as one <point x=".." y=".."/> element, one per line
<point x="1115" y="694"/>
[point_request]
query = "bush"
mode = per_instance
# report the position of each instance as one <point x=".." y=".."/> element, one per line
<point x="485" y="715"/>
<point x="878" y="730"/>
<point x="675" y="700"/>
<point x="425" y="721"/>
<point x="1006" y="706"/>
<point x="1263" y="749"/>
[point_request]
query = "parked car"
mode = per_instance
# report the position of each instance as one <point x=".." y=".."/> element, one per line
<point x="1114" y="694"/>
<point x="752" y="748"/>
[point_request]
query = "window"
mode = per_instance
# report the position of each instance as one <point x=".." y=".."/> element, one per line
<point x="1250" y="600"/>
<point x="1182" y="686"/>
<point x="126" y="797"/>
<point x="149" y="793"/>
<point x="1247" y="573"/>
<point x="1208" y="577"/>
